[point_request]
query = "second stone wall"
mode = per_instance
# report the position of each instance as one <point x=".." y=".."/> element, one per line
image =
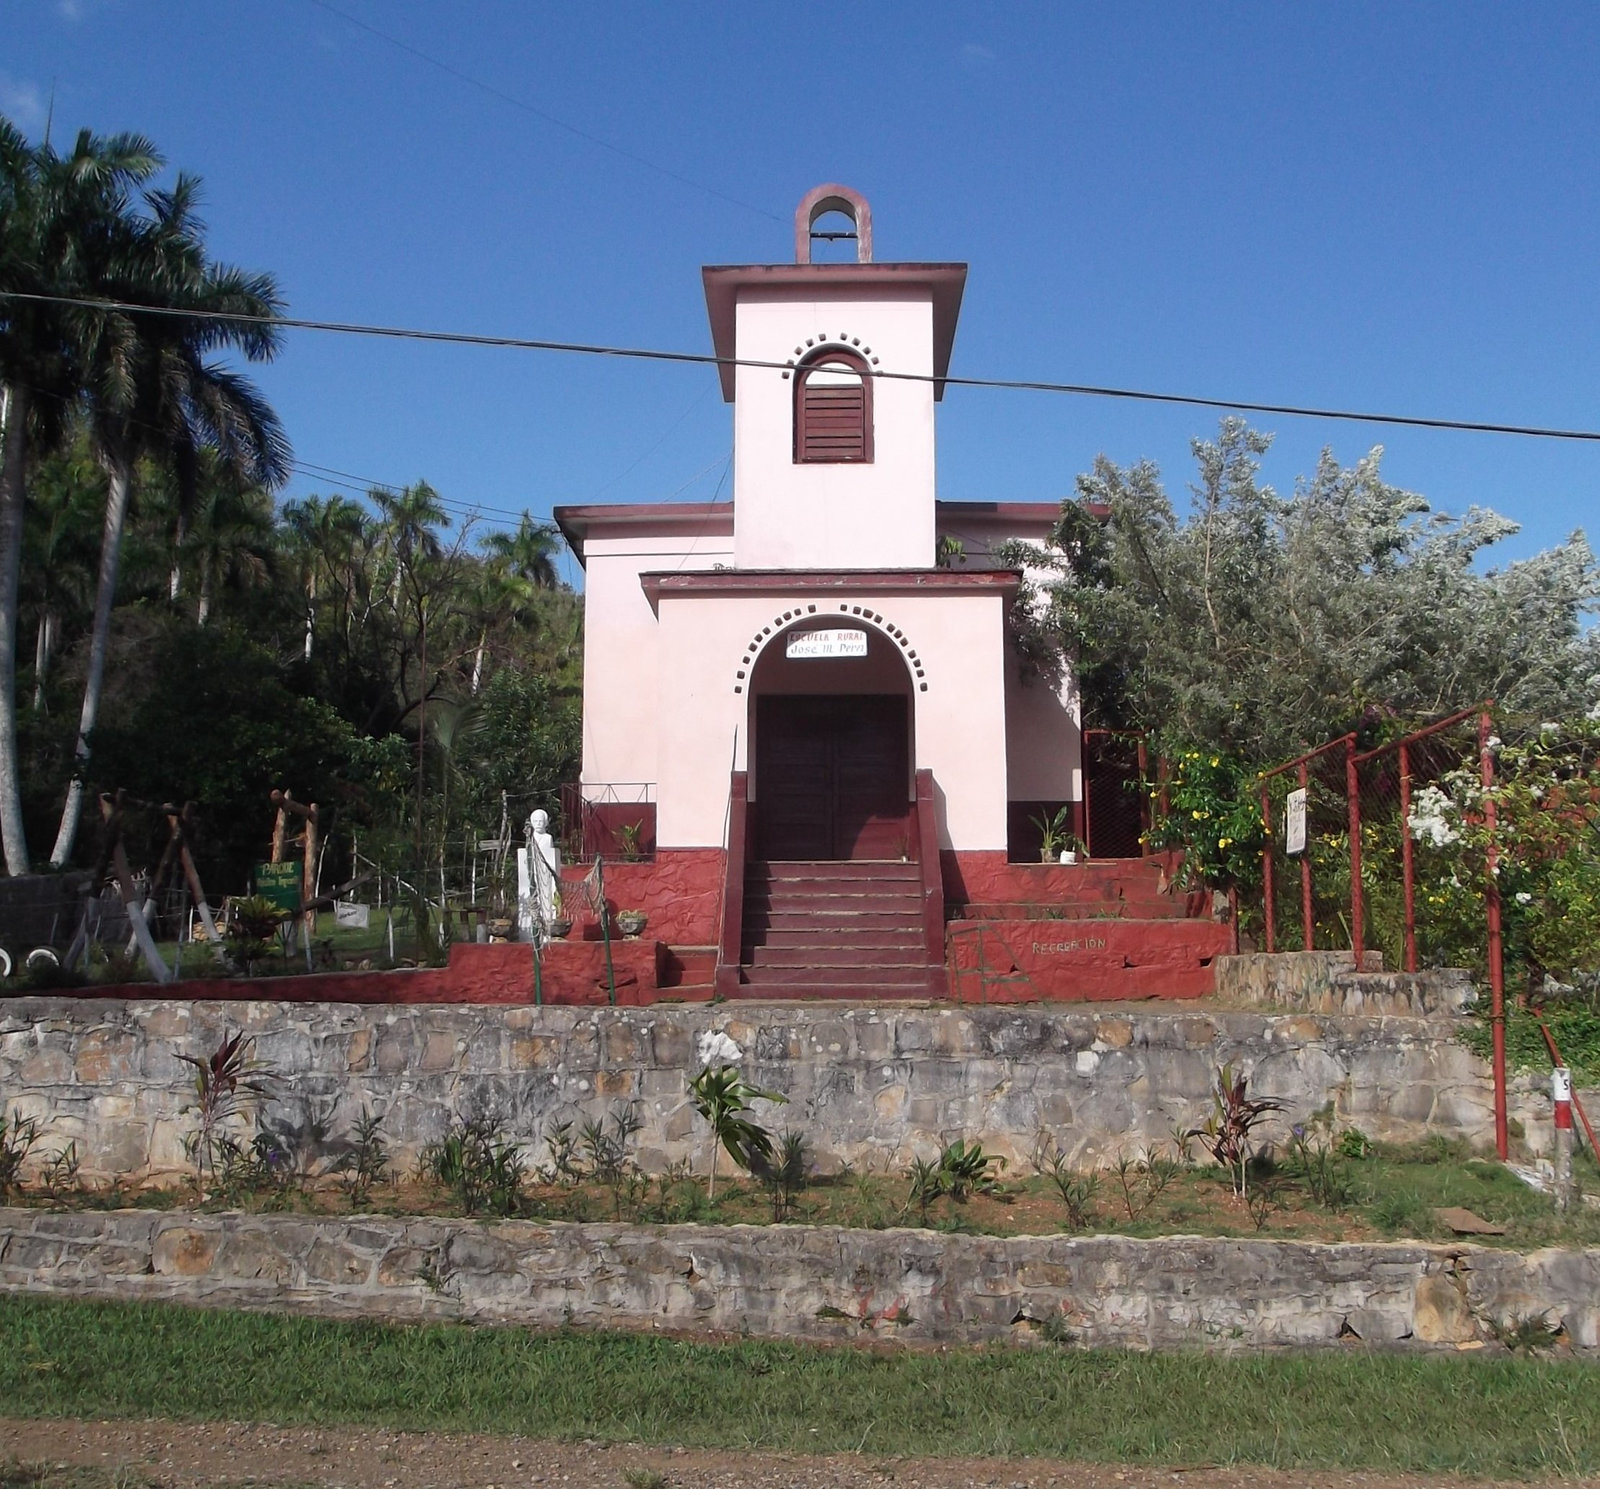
<point x="814" y="1283"/>
<point x="870" y="1086"/>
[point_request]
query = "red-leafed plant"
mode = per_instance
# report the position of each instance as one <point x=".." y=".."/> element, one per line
<point x="226" y="1084"/>
<point x="1235" y="1115"/>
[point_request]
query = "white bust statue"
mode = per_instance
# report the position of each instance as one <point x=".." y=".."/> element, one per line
<point x="538" y="878"/>
<point x="546" y="865"/>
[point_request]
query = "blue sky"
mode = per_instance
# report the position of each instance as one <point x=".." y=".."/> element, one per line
<point x="1387" y="207"/>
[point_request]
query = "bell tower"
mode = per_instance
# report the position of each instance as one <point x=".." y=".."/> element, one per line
<point x="834" y="444"/>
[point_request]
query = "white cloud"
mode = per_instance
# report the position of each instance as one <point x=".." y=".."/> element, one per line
<point x="21" y="101"/>
<point x="974" y="55"/>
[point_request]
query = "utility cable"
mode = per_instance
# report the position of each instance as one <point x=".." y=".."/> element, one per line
<point x="548" y="118"/>
<point x="705" y="359"/>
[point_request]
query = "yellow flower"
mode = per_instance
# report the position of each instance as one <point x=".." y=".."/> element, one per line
<point x="1224" y="842"/>
<point x="1197" y="814"/>
<point x="1216" y="760"/>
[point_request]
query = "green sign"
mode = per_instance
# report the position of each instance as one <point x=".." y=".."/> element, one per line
<point x="279" y="883"/>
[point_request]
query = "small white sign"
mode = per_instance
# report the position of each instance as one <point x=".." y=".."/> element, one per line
<point x="349" y="913"/>
<point x="1294" y="822"/>
<point x="811" y="645"/>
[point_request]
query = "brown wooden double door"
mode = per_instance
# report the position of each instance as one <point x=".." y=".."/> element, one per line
<point x="831" y="776"/>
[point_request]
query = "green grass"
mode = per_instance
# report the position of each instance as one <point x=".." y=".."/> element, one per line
<point x="1504" y="1416"/>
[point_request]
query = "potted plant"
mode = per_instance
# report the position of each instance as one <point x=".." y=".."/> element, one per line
<point x="1057" y="844"/>
<point x="631" y="849"/>
<point x="631" y="923"/>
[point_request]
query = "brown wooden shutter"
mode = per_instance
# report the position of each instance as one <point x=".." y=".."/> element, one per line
<point x="833" y="420"/>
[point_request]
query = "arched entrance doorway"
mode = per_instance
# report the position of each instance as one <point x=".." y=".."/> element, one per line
<point x="831" y="721"/>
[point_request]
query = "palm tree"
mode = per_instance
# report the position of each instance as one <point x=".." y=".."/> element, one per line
<point x="517" y="565"/>
<point x="411" y="521"/>
<point x="323" y="535"/>
<point x="529" y="552"/>
<point x="62" y="225"/>
<point x="151" y="390"/>
<point x="230" y="534"/>
<point x="66" y="498"/>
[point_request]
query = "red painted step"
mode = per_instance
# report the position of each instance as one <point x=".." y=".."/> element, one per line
<point x="833" y="930"/>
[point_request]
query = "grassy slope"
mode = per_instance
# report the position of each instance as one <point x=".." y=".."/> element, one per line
<point x="1498" y="1417"/>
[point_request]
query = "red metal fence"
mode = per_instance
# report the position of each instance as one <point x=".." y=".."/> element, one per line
<point x="1348" y="839"/>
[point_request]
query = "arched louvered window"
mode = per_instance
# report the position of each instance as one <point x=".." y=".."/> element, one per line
<point x="832" y="408"/>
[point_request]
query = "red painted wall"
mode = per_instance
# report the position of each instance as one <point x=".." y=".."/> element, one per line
<point x="1027" y="961"/>
<point x="1122" y="886"/>
<point x="573" y="972"/>
<point x="680" y="891"/>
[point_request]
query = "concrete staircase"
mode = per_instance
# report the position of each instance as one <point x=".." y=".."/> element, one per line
<point x="833" y="930"/>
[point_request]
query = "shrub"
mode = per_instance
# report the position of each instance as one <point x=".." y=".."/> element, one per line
<point x="722" y="1096"/>
<point x="482" y="1165"/>
<point x="226" y="1084"/>
<point x="1234" y="1116"/>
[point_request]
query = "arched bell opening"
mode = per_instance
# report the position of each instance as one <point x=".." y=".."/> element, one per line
<point x="832" y="718"/>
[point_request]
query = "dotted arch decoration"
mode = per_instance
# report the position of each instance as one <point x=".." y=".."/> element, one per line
<point x="846" y="611"/>
<point x="814" y="346"/>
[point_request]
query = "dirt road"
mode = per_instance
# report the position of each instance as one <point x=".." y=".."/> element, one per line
<point x="189" y="1456"/>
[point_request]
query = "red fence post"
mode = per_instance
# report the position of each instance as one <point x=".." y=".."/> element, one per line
<point x="1146" y="817"/>
<point x="1266" y="870"/>
<point x="1352" y="791"/>
<point x="1497" y="971"/>
<point x="1408" y="875"/>
<point x="1307" y="930"/>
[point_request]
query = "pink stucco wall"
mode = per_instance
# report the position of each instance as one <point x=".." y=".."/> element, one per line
<point x="1044" y="745"/>
<point x="621" y="670"/>
<point x="959" y="722"/>
<point x="877" y="515"/>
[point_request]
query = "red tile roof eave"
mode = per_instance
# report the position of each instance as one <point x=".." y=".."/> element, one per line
<point x="947" y="282"/>
<point x="998" y="513"/>
<point x="825" y="581"/>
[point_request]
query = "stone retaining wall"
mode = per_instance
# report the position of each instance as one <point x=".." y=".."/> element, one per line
<point x="824" y="1284"/>
<point x="1328" y="982"/>
<point x="868" y="1085"/>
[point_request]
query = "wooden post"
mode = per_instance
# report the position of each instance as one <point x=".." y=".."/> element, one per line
<point x="178" y="823"/>
<point x="308" y="876"/>
<point x="112" y="812"/>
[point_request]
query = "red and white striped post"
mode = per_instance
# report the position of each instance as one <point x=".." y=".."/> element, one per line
<point x="1561" y="1097"/>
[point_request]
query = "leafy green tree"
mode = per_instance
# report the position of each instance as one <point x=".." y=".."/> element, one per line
<point x="1258" y="626"/>
<point x="212" y="719"/>
<point x="62" y="221"/>
<point x="152" y="388"/>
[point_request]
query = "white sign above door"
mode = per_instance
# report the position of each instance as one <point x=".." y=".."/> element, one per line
<point x="814" y="645"/>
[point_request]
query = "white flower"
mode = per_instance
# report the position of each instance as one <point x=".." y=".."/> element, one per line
<point x="1549" y="728"/>
<point x="1492" y="744"/>
<point x="716" y="1048"/>
<point x="1594" y="714"/>
<point x="1524" y="898"/>
<point x="1428" y="820"/>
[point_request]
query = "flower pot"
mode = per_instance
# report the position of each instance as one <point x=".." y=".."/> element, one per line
<point x="631" y="923"/>
<point x="560" y="927"/>
<point x="1068" y="855"/>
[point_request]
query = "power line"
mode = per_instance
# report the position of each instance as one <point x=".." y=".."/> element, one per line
<point x="548" y="118"/>
<point x="703" y="359"/>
